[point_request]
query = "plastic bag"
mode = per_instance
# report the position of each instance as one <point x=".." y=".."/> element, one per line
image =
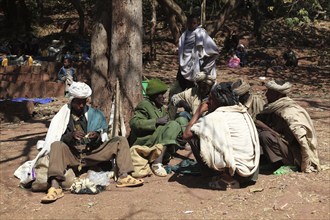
<point x="100" y="178"/>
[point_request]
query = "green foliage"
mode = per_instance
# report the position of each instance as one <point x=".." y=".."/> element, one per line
<point x="301" y="19"/>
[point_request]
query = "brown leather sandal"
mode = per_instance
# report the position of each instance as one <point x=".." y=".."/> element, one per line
<point x="129" y="181"/>
<point x="52" y="195"/>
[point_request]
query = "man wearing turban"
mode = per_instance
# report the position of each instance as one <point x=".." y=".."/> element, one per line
<point x="151" y="125"/>
<point x="286" y="132"/>
<point x="190" y="99"/>
<point x="77" y="138"/>
<point x="253" y="102"/>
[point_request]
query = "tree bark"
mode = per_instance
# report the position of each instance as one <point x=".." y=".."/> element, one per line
<point x="172" y="21"/>
<point x="77" y="5"/>
<point x="26" y="15"/>
<point x="227" y="9"/>
<point x="126" y="52"/>
<point x="101" y="86"/>
<point x="153" y="30"/>
<point x="175" y="9"/>
<point x="40" y="9"/>
<point x="203" y="13"/>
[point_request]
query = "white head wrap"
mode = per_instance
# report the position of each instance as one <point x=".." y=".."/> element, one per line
<point x="79" y="90"/>
<point x="202" y="77"/>
<point x="284" y="89"/>
<point x="243" y="88"/>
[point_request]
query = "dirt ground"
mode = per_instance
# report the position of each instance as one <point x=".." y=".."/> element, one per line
<point x="292" y="196"/>
<point x="295" y="196"/>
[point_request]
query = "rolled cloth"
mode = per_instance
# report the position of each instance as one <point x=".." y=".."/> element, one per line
<point x="284" y="89"/>
<point x="243" y="88"/>
<point x="156" y="86"/>
<point x="202" y="77"/>
<point x="79" y="90"/>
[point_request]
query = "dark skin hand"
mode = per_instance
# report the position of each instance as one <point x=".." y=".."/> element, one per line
<point x="162" y="120"/>
<point x="79" y="134"/>
<point x="203" y="107"/>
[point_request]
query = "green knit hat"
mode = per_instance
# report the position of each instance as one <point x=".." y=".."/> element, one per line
<point x="156" y="86"/>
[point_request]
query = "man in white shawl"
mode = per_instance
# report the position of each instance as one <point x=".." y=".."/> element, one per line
<point x="77" y="138"/>
<point x="225" y="140"/>
<point x="286" y="132"/>
<point x="197" y="53"/>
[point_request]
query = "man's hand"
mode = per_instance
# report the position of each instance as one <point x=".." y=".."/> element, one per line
<point x="162" y="120"/>
<point x="184" y="105"/>
<point x="78" y="135"/>
<point x="93" y="135"/>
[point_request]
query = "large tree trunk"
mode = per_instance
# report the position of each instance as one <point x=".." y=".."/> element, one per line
<point x="77" y="5"/>
<point x="10" y="12"/>
<point x="153" y="30"/>
<point x="203" y="13"/>
<point x="227" y="9"/>
<point x="126" y="52"/>
<point x="172" y="21"/>
<point x="26" y="15"/>
<point x="101" y="86"/>
<point x="175" y="9"/>
<point x="40" y="8"/>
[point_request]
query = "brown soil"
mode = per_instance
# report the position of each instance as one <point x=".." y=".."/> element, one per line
<point x="292" y="196"/>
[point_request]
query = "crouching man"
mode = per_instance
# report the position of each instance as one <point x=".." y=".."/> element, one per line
<point x="225" y="140"/>
<point x="78" y="136"/>
<point x="286" y="131"/>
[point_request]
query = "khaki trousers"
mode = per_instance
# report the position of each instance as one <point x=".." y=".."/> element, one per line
<point x="61" y="157"/>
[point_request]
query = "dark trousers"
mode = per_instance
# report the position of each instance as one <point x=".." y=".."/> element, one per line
<point x="277" y="149"/>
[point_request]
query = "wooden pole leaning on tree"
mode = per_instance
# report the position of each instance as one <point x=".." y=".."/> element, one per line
<point x="116" y="122"/>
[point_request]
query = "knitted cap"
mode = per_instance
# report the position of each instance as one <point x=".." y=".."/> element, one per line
<point x="156" y="86"/>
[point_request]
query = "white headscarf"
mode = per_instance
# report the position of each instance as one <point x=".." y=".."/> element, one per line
<point x="284" y="89"/>
<point x="79" y="90"/>
<point x="202" y="77"/>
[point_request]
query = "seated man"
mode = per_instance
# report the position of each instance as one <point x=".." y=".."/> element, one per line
<point x="253" y="102"/>
<point x="190" y="99"/>
<point x="286" y="132"/>
<point x="83" y="142"/>
<point x="150" y="125"/>
<point x="225" y="140"/>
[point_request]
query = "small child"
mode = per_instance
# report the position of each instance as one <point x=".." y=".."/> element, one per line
<point x="67" y="74"/>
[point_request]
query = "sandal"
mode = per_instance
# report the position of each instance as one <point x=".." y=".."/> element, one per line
<point x="52" y="195"/>
<point x="158" y="169"/>
<point x="223" y="184"/>
<point x="129" y="181"/>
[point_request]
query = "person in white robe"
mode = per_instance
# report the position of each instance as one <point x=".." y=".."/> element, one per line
<point x="224" y="141"/>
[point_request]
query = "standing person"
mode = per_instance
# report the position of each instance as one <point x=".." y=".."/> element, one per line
<point x="78" y="138"/>
<point x="151" y="125"/>
<point x="254" y="103"/>
<point x="67" y="73"/>
<point x="225" y="140"/>
<point x="197" y="53"/>
<point x="286" y="132"/>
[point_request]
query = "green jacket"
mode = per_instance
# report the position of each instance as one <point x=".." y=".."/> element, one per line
<point x="144" y="130"/>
